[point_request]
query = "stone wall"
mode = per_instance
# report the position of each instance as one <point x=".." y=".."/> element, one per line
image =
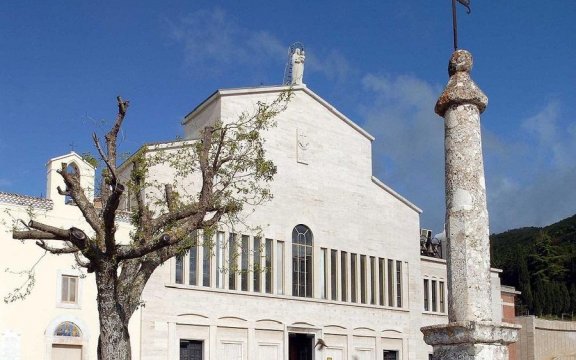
<point x="546" y="340"/>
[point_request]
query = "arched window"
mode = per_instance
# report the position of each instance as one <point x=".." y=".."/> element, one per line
<point x="302" y="264"/>
<point x="72" y="169"/>
<point x="68" y="328"/>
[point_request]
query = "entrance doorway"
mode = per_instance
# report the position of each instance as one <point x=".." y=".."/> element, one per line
<point x="191" y="350"/>
<point x="301" y="346"/>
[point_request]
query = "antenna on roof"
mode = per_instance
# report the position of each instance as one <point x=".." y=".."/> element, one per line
<point x="294" y="70"/>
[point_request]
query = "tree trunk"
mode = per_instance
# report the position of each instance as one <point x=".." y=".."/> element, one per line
<point x="114" y="339"/>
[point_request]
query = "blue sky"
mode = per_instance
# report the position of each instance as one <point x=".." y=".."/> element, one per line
<point x="382" y="63"/>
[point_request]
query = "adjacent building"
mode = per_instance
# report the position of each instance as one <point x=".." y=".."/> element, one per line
<point x="58" y="318"/>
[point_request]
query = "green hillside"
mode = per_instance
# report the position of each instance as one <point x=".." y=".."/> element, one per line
<point x="541" y="263"/>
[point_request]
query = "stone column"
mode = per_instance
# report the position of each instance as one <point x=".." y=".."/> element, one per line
<point x="471" y="333"/>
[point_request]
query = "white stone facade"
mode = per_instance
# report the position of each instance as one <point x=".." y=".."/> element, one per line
<point x="324" y="182"/>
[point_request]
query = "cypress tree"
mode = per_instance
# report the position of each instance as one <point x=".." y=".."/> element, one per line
<point x="539" y="296"/>
<point x="573" y="298"/>
<point x="524" y="285"/>
<point x="566" y="297"/>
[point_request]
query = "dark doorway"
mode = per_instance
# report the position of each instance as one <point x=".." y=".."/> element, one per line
<point x="390" y="355"/>
<point x="190" y="350"/>
<point x="301" y="346"/>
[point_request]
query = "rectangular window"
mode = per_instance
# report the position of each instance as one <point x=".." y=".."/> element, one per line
<point x="381" y="279"/>
<point x="390" y="281"/>
<point x="193" y="265"/>
<point x="244" y="263"/>
<point x="323" y="271"/>
<point x="257" y="263"/>
<point x="441" y="291"/>
<point x="363" y="279"/>
<point x="399" y="283"/>
<point x="219" y="249"/>
<point x="268" y="259"/>
<point x="372" y="280"/>
<point x="69" y="289"/>
<point x="280" y="267"/>
<point x="353" y="290"/>
<point x="434" y="299"/>
<point x="344" y="275"/>
<point x="426" y="292"/>
<point x="334" y="274"/>
<point x="179" y="273"/>
<point x="232" y="261"/>
<point x="206" y="260"/>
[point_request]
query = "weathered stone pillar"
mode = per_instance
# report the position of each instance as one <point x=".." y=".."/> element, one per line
<point x="472" y="332"/>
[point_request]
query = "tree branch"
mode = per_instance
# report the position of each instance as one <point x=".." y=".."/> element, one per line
<point x="170" y="200"/>
<point x="207" y="173"/>
<point x="189" y="210"/>
<point x="83" y="263"/>
<point x="126" y="252"/>
<point x="42" y="231"/>
<point x="109" y="217"/>
<point x="219" y="148"/>
<point x="137" y="175"/>
<point x="75" y="190"/>
<point x="104" y="157"/>
<point x="34" y="235"/>
<point x="58" y="232"/>
<point x="112" y="135"/>
<point x="57" y="251"/>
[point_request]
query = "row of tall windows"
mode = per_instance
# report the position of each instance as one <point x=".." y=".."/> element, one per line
<point x="234" y="262"/>
<point x="434" y="296"/>
<point x="360" y="278"/>
<point x="247" y="263"/>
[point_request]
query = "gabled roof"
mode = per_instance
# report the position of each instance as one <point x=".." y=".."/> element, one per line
<point x="272" y="89"/>
<point x="74" y="154"/>
<point x="387" y="188"/>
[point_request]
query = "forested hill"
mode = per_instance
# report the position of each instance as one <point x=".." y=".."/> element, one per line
<point x="541" y="263"/>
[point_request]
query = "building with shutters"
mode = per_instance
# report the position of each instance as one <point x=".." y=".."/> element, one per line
<point x="58" y="318"/>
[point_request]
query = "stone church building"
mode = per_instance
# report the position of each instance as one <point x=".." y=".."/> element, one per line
<point x="337" y="272"/>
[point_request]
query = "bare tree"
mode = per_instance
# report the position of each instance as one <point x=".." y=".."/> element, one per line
<point x="230" y="164"/>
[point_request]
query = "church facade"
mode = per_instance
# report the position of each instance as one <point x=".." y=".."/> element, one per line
<point x="335" y="273"/>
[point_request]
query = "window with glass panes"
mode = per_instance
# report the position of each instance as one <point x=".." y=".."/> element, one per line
<point x="302" y="265"/>
<point x="69" y="289"/>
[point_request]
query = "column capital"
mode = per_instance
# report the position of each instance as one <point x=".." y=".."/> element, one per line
<point x="460" y="89"/>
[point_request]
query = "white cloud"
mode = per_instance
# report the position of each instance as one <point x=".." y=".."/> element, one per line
<point x="408" y="151"/>
<point x="539" y="172"/>
<point x="530" y="180"/>
<point x="333" y="65"/>
<point x="212" y="39"/>
<point x="543" y="124"/>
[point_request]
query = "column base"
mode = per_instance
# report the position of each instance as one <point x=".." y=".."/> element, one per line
<point x="469" y="340"/>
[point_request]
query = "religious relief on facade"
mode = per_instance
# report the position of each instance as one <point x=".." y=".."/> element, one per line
<point x="302" y="147"/>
